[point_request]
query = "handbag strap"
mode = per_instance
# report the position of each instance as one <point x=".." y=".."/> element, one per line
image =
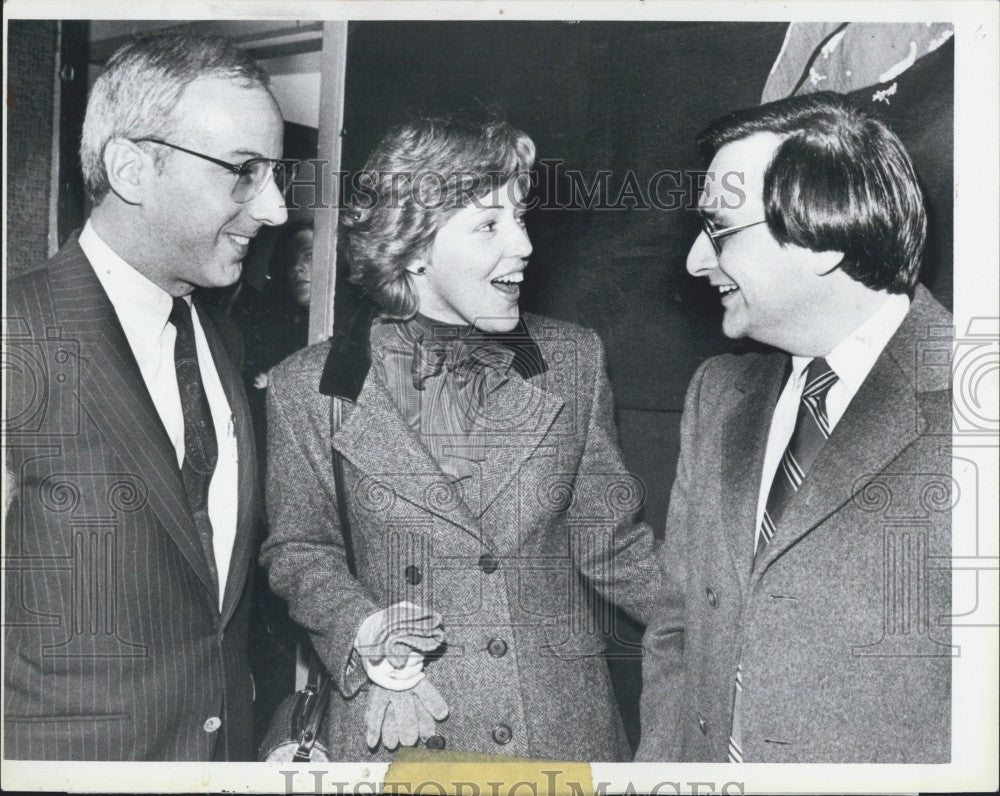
<point x="315" y="697"/>
<point x="336" y="419"/>
<point x="310" y="708"/>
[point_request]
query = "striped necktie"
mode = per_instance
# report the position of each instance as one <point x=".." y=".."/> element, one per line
<point x="812" y="429"/>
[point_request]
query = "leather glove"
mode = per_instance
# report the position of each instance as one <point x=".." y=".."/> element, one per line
<point x="403" y="718"/>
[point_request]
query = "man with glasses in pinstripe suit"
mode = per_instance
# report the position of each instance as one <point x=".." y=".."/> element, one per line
<point x="129" y="538"/>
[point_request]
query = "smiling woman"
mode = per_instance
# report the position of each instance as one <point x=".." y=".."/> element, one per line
<point x="472" y="271"/>
<point x="480" y="470"/>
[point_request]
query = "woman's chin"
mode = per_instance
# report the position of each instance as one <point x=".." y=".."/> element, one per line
<point x="498" y="324"/>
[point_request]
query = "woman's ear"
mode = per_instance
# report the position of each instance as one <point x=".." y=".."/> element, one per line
<point x="127" y="167"/>
<point x="417" y="267"/>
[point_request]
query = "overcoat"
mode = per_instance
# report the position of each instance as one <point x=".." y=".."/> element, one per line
<point x="522" y="671"/>
<point x="842" y="626"/>
<point x="115" y="644"/>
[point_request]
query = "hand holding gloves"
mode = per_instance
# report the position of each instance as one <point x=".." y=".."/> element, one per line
<point x="403" y="706"/>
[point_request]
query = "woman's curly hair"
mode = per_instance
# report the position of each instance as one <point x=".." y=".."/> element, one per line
<point x="420" y="174"/>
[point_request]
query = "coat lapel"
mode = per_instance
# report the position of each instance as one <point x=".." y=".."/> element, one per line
<point x="744" y="445"/>
<point x="376" y="440"/>
<point x="239" y="564"/>
<point x="524" y="412"/>
<point x="114" y="395"/>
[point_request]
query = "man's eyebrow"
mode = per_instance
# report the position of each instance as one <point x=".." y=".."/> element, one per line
<point x="247" y="154"/>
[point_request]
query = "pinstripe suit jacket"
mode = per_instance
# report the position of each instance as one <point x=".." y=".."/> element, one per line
<point x="115" y="645"/>
<point x="842" y="626"/>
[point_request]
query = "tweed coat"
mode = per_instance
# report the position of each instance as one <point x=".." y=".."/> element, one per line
<point x="840" y="627"/>
<point x="522" y="671"/>
<point x="115" y="645"/>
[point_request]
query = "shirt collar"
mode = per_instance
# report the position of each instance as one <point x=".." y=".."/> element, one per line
<point x="853" y="357"/>
<point x="136" y="299"/>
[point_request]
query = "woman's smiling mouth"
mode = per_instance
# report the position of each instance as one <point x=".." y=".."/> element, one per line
<point x="510" y="283"/>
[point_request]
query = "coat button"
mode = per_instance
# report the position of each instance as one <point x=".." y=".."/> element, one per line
<point x="488" y="563"/>
<point x="502" y="734"/>
<point x="497" y="647"/>
<point x="436" y="742"/>
<point x="212" y="724"/>
<point x="702" y="724"/>
<point x="413" y="575"/>
<point x="713" y="598"/>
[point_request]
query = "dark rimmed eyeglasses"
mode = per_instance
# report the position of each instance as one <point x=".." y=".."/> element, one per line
<point x="251" y="175"/>
<point x="714" y="234"/>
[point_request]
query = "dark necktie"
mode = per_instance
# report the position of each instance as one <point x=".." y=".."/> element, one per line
<point x="812" y="428"/>
<point x="201" y="451"/>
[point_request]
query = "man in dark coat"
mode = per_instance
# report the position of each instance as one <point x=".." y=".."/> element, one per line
<point x="129" y="446"/>
<point x="807" y="618"/>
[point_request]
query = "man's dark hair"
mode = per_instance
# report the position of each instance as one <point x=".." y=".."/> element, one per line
<point x="839" y="181"/>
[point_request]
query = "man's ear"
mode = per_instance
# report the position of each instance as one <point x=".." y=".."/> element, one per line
<point x="825" y="262"/>
<point x="128" y="168"/>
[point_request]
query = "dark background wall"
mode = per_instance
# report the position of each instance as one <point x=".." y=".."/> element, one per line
<point x="32" y="67"/>
<point x="46" y="97"/>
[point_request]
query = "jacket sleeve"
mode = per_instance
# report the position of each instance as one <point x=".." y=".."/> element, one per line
<point x="304" y="551"/>
<point x="661" y="702"/>
<point x="620" y="562"/>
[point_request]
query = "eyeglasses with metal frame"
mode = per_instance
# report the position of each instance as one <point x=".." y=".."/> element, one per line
<point x="251" y="175"/>
<point x="714" y="234"/>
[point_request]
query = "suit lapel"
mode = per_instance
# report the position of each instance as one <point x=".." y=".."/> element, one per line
<point x="239" y="564"/>
<point x="376" y="440"/>
<point x="114" y="395"/>
<point x="881" y="420"/>
<point x="744" y="445"/>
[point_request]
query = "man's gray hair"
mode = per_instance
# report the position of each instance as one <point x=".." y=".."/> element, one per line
<point x="141" y="85"/>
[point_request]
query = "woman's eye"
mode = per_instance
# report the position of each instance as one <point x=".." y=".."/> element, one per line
<point x="489" y="226"/>
<point x="519" y="220"/>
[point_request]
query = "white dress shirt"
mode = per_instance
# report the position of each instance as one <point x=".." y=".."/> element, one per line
<point x="143" y="308"/>
<point x="852" y="360"/>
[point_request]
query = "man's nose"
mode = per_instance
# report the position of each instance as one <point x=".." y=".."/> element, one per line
<point x="702" y="259"/>
<point x="268" y="207"/>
